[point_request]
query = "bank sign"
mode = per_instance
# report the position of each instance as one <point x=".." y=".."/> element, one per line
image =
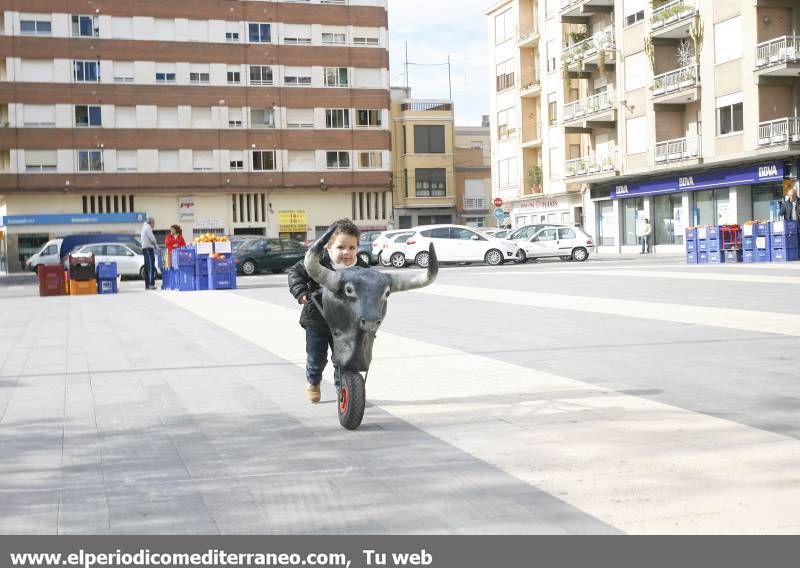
<point x="76" y="219"/>
<point x="742" y="175"/>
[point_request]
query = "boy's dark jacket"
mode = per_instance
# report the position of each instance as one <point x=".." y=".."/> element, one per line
<point x="301" y="283"/>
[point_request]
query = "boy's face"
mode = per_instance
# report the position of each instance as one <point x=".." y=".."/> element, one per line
<point x="342" y="249"/>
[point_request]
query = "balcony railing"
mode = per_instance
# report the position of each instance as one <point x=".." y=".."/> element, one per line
<point x="671" y="12"/>
<point x="505" y="82"/>
<point x="589" y="165"/>
<point x="586" y="48"/>
<point x="588" y="106"/>
<point x="782" y="131"/>
<point x="777" y="51"/>
<point x="432" y="107"/>
<point x="529" y="82"/>
<point x="677" y="150"/>
<point x="526" y="33"/>
<point x="475" y="203"/>
<point x="676" y="80"/>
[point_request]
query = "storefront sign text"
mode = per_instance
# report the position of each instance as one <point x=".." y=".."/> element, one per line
<point x="76" y="219"/>
<point x="292" y="221"/>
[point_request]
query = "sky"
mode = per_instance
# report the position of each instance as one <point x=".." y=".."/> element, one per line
<point x="434" y="29"/>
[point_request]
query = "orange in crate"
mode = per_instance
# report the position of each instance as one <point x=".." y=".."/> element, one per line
<point x="82" y="287"/>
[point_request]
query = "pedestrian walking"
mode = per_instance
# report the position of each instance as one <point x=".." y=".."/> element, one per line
<point x="647" y="230"/>
<point x="149" y="245"/>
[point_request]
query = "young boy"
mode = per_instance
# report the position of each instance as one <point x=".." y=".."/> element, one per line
<point x="340" y="253"/>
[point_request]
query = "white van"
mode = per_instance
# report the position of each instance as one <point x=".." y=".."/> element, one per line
<point x="48" y="255"/>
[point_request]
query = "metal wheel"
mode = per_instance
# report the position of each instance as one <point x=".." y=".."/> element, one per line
<point x="384" y="261"/>
<point x="580" y="254"/>
<point x="398" y="260"/>
<point x="494" y="257"/>
<point x="248" y="268"/>
<point x="364" y="257"/>
<point x="422" y="259"/>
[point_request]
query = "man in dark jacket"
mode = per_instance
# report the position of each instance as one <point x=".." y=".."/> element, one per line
<point x="340" y="252"/>
<point x="790" y="208"/>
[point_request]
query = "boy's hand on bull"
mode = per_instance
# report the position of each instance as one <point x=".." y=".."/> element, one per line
<point x="303" y="299"/>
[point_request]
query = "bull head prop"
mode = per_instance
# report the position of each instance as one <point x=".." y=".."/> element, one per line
<point x="354" y="302"/>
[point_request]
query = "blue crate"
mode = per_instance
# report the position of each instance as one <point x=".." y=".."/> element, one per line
<point x="781" y="241"/>
<point x="713" y="245"/>
<point x="185" y="279"/>
<point x="716" y="257"/>
<point x="784" y="228"/>
<point x="225" y="265"/>
<point x="748" y="243"/>
<point x="691" y="234"/>
<point x="702" y="257"/>
<point x="165" y="278"/>
<point x="712" y="233"/>
<point x="691" y="246"/>
<point x="762" y="242"/>
<point x="785" y="255"/>
<point x="183" y="257"/>
<point x="733" y="256"/>
<point x="691" y="257"/>
<point x="221" y="280"/>
<point x="201" y="282"/>
<point x="748" y="256"/>
<point x="107" y="285"/>
<point x="201" y="266"/>
<point x="761" y="229"/>
<point x="762" y="255"/>
<point x="106" y="270"/>
<point x="702" y="246"/>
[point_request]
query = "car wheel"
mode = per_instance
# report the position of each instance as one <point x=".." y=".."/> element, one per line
<point x="422" y="259"/>
<point x="248" y="268"/>
<point x="580" y="254"/>
<point x="398" y="260"/>
<point x="143" y="273"/>
<point x="387" y="262"/>
<point x="364" y="257"/>
<point x="565" y="258"/>
<point x="494" y="257"/>
<point x="522" y="258"/>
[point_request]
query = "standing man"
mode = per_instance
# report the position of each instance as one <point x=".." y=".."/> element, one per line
<point x="790" y="208"/>
<point x="149" y="246"/>
<point x="647" y="230"/>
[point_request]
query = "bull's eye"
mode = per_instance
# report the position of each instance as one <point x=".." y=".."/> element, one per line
<point x="386" y="295"/>
<point x="350" y="291"/>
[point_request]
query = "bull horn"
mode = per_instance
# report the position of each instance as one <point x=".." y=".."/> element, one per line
<point x="411" y="281"/>
<point x="324" y="276"/>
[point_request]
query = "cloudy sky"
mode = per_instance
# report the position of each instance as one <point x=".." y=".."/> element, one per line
<point x="434" y="29"/>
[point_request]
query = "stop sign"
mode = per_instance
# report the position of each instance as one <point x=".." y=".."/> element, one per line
<point x="498" y="202"/>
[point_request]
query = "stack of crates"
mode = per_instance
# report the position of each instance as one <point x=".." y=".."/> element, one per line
<point x="715" y="253"/>
<point x="691" y="245"/>
<point x="82" y="275"/>
<point x="107" y="278"/>
<point x="183" y="269"/>
<point x="784" y="241"/>
<point x="51" y="280"/>
<point x="731" y="238"/>
<point x="221" y="273"/>
<point x="702" y="245"/>
<point x="201" y="265"/>
<point x="756" y="242"/>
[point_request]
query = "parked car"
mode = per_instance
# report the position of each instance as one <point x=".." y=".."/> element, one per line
<point x="527" y="231"/>
<point x="53" y="251"/>
<point x="380" y="244"/>
<point x="456" y="243"/>
<point x="568" y="243"/>
<point x="501" y="234"/>
<point x="490" y="232"/>
<point x="275" y="255"/>
<point x="395" y="250"/>
<point x="365" y="246"/>
<point x="129" y="258"/>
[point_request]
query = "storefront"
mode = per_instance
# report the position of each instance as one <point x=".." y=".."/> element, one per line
<point x="672" y="203"/>
<point x="564" y="209"/>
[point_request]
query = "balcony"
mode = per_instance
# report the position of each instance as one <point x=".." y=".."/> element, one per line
<point x="778" y="57"/>
<point x="677" y="87"/>
<point x="596" y="166"/>
<point x="531" y="134"/>
<point x="673" y="19"/>
<point x="527" y="36"/>
<point x="678" y="150"/>
<point x="781" y="132"/>
<point x="589" y="51"/>
<point x="530" y="85"/>
<point x="476" y="204"/>
<point x="572" y="9"/>
<point x="597" y="110"/>
<point x="505" y="81"/>
<point x="427" y="106"/>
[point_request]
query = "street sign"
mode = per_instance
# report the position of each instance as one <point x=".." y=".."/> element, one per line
<point x="498" y="202"/>
<point x="499" y="213"/>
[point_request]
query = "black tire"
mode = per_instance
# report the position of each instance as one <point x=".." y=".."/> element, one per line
<point x="422" y="259"/>
<point x="522" y="258"/>
<point x="398" y="260"/>
<point x="352" y="399"/>
<point x="566" y="258"/>
<point x="143" y="273"/>
<point x="386" y="262"/>
<point x="276" y="270"/>
<point x="364" y="258"/>
<point x="580" y="254"/>
<point x="493" y="257"/>
<point x="248" y="267"/>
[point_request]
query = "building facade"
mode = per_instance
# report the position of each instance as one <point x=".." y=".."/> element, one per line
<point x="229" y="116"/>
<point x="473" y="175"/>
<point x="683" y="112"/>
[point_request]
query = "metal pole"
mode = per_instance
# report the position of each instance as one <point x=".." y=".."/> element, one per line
<point x="449" y="78"/>
<point x="406" y="66"/>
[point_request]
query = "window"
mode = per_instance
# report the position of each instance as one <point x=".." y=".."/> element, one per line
<point x="369" y="118"/>
<point x="259" y="33"/>
<point x="198" y="30"/>
<point x="637" y="71"/>
<point x="86" y="71"/>
<point x="632" y="216"/>
<point x="88" y="115"/>
<point x="41" y="160"/>
<point x="201" y="117"/>
<point x="464" y="234"/>
<point x="202" y="160"/>
<point x="431" y="182"/>
<point x="168" y="160"/>
<point x="127" y="160"/>
<point x="566" y="234"/>
<point x="367" y="79"/>
<point x="300" y="118"/>
<point x="337" y="118"/>
<point x="125" y="117"/>
<point x="730" y="114"/>
<point x="85" y="26"/>
<point x="39" y="115"/>
<point x="235" y="118"/>
<point x="507" y="172"/>
<point x="634" y="11"/>
<point x="164" y="29"/>
<point x="439" y="232"/>
<point x="297" y="34"/>
<point x="429" y="139"/>
<point x="366" y="36"/>
<point x="236" y="160"/>
<point x="297" y="76"/>
<point x="302" y="161"/>
<point x="40" y="71"/>
<point x="121" y="27"/>
<point x="554" y="162"/>
<point x="476" y="222"/>
<point x="552" y="55"/>
<point x="637" y="135"/>
<point x="165" y="72"/>
<point x="262" y="118"/>
<point x="728" y="40"/>
<point x="167" y="117"/>
<point x="337" y="160"/>
<point x="90" y="160"/>
<point x="234" y="76"/>
<point x="232" y="37"/>
<point x="331" y="38"/>
<point x="552" y="110"/>
<point x="263" y="160"/>
<point x="260" y="75"/>
<point x="606" y="223"/>
<point x="35" y="25"/>
<point x="336" y="77"/>
<point x="506" y="123"/>
<point x="712" y="207"/>
<point x="667" y="219"/>
<point x="370" y="160"/>
<point x="199" y="77"/>
<point x="123" y="72"/>
<point x="504" y="77"/>
<point x="503" y="26"/>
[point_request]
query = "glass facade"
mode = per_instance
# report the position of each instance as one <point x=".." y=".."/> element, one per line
<point x="606" y="227"/>
<point x="711" y="207"/>
<point x="668" y="219"/>
<point x="632" y="213"/>
<point x="763" y="198"/>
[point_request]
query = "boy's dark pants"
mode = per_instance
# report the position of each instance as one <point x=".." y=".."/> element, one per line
<point x="317" y="341"/>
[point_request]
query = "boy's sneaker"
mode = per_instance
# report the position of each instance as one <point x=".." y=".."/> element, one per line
<point x="312" y="392"/>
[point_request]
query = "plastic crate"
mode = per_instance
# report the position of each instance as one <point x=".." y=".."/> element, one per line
<point x="782" y="241"/>
<point x="785" y="255"/>
<point x="733" y="256"/>
<point x="702" y="257"/>
<point x="201" y="266"/>
<point x="107" y="285"/>
<point x="761" y="229"/>
<point x="784" y="228"/>
<point x="223" y="247"/>
<point x="748" y="256"/>
<point x="712" y="233"/>
<point x="106" y="270"/>
<point x="762" y="255"/>
<point x="691" y="257"/>
<point x="221" y="280"/>
<point x="82" y="287"/>
<point x="82" y="267"/>
<point x="691" y="246"/>
<point x="702" y="245"/>
<point x="748" y="243"/>
<point x="185" y="280"/>
<point x="201" y="282"/>
<point x="183" y="257"/>
<point x="762" y="242"/>
<point x="691" y="234"/>
<point x="730" y="236"/>
<point x="224" y="265"/>
<point x="713" y="245"/>
<point x="716" y="257"/>
<point x="51" y="280"/>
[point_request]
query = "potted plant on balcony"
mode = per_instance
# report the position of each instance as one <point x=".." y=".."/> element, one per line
<point x="594" y="167"/>
<point x="658" y="86"/>
<point x="580" y="168"/>
<point x="607" y="164"/>
<point x="535" y="178"/>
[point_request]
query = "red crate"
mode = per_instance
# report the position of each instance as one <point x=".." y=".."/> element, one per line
<point x="730" y="237"/>
<point x="51" y="280"/>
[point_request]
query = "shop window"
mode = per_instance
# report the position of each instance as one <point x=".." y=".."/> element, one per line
<point x="668" y="219"/>
<point x="711" y="207"/>
<point x="632" y="217"/>
<point x="764" y="199"/>
<point x="606" y="225"/>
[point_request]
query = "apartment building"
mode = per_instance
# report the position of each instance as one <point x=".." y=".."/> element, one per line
<point x="229" y="116"/>
<point x="684" y="112"/>
<point x="473" y="175"/>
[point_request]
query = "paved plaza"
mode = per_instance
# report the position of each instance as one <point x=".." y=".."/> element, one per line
<point x="625" y="396"/>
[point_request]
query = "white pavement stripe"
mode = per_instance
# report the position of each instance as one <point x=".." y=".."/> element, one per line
<point x="747" y="320"/>
<point x="641" y="466"/>
<point x="716" y="277"/>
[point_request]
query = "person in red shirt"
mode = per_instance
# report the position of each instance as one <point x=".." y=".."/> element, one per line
<point x="174" y="239"/>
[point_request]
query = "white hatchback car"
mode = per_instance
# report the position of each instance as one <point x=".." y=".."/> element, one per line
<point x="381" y="243"/>
<point x="568" y="243"/>
<point x="129" y="259"/>
<point x="456" y="243"/>
<point x="394" y="251"/>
